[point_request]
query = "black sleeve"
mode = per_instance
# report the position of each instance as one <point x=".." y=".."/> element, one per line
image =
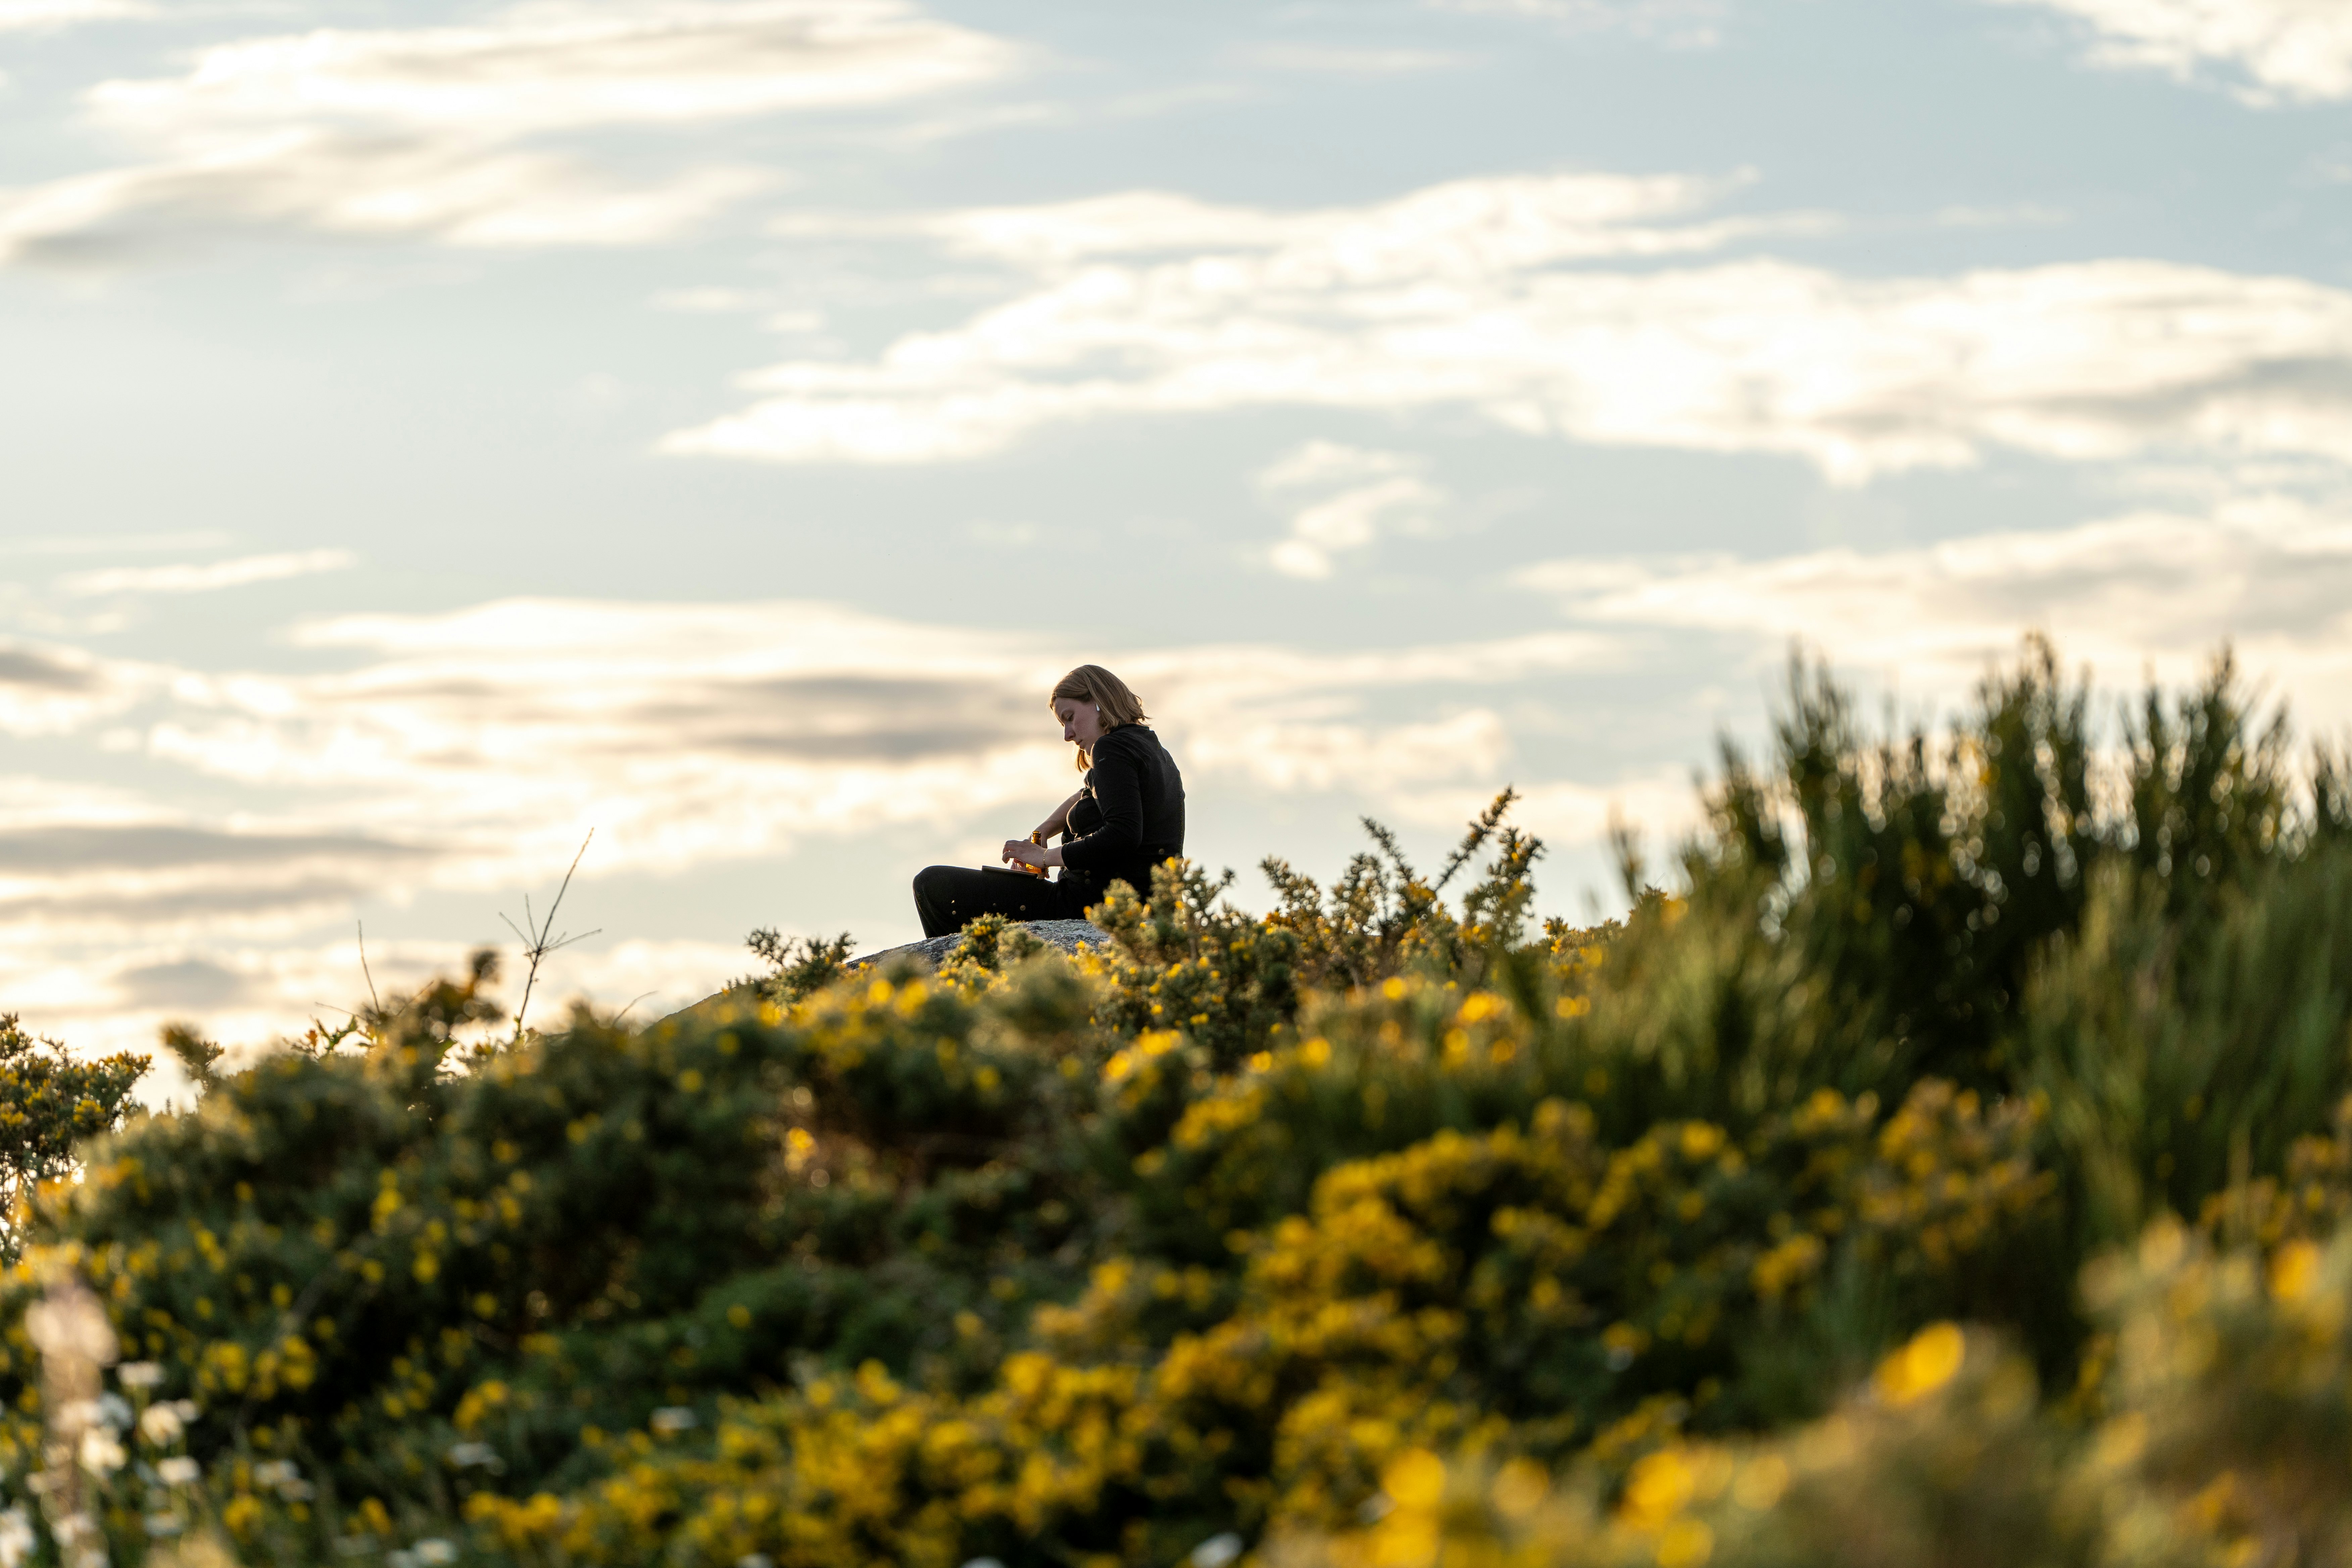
<point x="1118" y="792"/>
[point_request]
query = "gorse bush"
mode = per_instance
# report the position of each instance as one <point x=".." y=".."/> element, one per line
<point x="1947" y="1171"/>
<point x="49" y="1102"/>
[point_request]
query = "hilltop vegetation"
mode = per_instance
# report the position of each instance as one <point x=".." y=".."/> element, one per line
<point x="1947" y="1170"/>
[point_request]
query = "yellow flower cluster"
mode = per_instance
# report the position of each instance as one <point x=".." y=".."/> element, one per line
<point x="1523" y="1290"/>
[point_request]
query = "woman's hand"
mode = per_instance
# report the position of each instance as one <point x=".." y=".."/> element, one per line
<point x="1020" y="851"/>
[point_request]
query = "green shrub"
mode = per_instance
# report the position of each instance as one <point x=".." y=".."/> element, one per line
<point x="1548" y="1242"/>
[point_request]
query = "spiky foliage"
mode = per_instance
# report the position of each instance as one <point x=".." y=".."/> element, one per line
<point x="51" y="1101"/>
<point x="1558" y="1245"/>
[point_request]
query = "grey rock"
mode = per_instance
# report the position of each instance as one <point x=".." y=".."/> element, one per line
<point x="1068" y="935"/>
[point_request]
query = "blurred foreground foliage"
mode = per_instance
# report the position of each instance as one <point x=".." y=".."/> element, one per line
<point x="1949" y="1172"/>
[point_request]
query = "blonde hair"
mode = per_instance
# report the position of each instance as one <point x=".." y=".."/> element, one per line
<point x="1092" y="683"/>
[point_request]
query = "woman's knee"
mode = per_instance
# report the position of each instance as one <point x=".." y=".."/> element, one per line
<point x="937" y="888"/>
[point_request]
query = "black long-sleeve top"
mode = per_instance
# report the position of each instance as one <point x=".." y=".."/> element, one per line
<point x="1130" y="816"/>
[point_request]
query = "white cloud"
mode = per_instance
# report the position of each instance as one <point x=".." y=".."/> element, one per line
<point x="566" y="67"/>
<point x="39" y="16"/>
<point x="1460" y="296"/>
<point x="1461" y="231"/>
<point x="2277" y="49"/>
<point x="1665" y="804"/>
<point x="1340" y="499"/>
<point x="417" y="133"/>
<point x="1322" y="757"/>
<point x="455" y="194"/>
<point x="48" y="689"/>
<point x="207" y="578"/>
<point x="2151" y="591"/>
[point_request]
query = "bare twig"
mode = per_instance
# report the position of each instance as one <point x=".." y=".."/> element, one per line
<point x="633" y="1002"/>
<point x="534" y="932"/>
<point x="373" y="1000"/>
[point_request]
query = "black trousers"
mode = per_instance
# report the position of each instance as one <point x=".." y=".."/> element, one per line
<point x="949" y="897"/>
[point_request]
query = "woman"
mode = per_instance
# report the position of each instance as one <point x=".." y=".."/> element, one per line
<point x="1127" y="817"/>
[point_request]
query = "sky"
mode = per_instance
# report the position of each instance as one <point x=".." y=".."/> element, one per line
<point x="431" y="432"/>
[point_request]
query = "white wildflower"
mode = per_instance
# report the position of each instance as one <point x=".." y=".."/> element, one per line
<point x="283" y="1475"/>
<point x="161" y="1524"/>
<point x="672" y="1418"/>
<point x="140" y="1374"/>
<point x="434" y="1552"/>
<point x="114" y="1410"/>
<point x="755" y="1559"/>
<point x="465" y="1456"/>
<point x="101" y="1454"/>
<point x="15" y="1537"/>
<point x="178" y="1471"/>
<point x="161" y="1423"/>
<point x="1217" y="1550"/>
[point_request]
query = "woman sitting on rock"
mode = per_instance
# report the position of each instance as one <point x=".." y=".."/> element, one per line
<point x="1127" y="817"/>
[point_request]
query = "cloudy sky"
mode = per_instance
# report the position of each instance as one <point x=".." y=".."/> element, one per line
<point x="430" y="431"/>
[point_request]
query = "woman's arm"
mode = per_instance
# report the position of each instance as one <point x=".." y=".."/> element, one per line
<point x="1060" y="821"/>
<point x="1032" y="854"/>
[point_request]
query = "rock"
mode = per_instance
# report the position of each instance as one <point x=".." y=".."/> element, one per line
<point x="1068" y="935"/>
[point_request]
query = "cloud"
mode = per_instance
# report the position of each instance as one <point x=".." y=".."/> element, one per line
<point x="187" y="982"/>
<point x="565" y="67"/>
<point x="1664" y="803"/>
<point x="1319" y="758"/>
<point x="1342" y="497"/>
<point x="2146" y="592"/>
<point x="207" y="578"/>
<point x="34" y="670"/>
<point x="419" y="132"/>
<point x="163" y="847"/>
<point x="1462" y="231"/>
<point x="2274" y="51"/>
<point x="453" y="193"/>
<point x="1465" y="296"/>
<point x="63" y="873"/>
<point x="46" y="690"/>
<point x="41" y="15"/>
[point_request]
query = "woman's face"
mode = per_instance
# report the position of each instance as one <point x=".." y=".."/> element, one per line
<point x="1081" y="724"/>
